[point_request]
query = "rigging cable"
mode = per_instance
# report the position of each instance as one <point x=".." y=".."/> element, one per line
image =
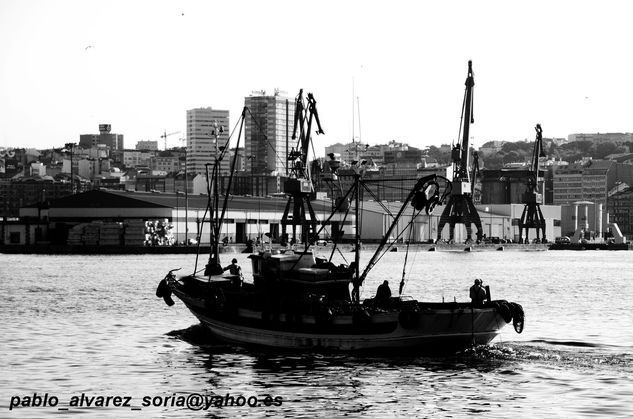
<point x="204" y="216"/>
<point x="261" y="131"/>
<point x="389" y="245"/>
<point x="406" y="255"/>
<point x="335" y="246"/>
<point x="207" y="209"/>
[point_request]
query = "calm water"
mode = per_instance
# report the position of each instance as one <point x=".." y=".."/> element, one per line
<point x="92" y="325"/>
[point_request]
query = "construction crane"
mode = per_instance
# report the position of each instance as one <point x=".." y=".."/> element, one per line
<point x="299" y="187"/>
<point x="460" y="208"/>
<point x="532" y="216"/>
<point x="165" y="135"/>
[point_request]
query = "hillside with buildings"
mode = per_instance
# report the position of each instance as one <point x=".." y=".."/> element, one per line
<point x="596" y="168"/>
<point x="496" y="154"/>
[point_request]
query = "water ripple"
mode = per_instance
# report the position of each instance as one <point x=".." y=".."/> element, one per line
<point x="96" y="326"/>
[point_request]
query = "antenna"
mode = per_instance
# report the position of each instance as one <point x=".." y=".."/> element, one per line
<point x="360" y="136"/>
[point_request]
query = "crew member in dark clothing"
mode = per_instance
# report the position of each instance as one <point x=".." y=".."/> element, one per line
<point x="383" y="293"/>
<point x="234" y="268"/>
<point x="477" y="293"/>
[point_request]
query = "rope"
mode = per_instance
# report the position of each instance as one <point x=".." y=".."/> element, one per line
<point x="406" y="256"/>
<point x="195" y="267"/>
<point x="395" y="240"/>
<point x="261" y="131"/>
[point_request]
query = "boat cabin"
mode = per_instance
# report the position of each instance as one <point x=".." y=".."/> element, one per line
<point x="300" y="273"/>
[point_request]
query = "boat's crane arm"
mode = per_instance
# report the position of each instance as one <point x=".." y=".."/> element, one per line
<point x="426" y="194"/>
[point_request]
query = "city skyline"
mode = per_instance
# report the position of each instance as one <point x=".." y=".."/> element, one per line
<point x="69" y="66"/>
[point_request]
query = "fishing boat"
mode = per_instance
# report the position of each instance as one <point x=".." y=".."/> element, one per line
<point x="299" y="301"/>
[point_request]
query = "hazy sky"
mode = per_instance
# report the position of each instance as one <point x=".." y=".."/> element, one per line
<point x="67" y="66"/>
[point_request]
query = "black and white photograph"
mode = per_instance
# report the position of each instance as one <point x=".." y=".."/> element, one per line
<point x="304" y="209"/>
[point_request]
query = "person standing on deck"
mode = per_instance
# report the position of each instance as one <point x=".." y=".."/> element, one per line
<point x="477" y="293"/>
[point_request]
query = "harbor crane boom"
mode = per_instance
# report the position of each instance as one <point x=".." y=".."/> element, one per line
<point x="460" y="208"/>
<point x="304" y="114"/>
<point x="475" y="172"/>
<point x="532" y="216"/>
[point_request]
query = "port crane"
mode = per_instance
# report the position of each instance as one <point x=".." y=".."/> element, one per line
<point x="475" y="172"/>
<point x="460" y="208"/>
<point x="299" y="186"/>
<point x="532" y="216"/>
<point x="165" y="135"/>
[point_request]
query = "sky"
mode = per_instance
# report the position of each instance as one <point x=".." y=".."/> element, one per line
<point x="380" y="71"/>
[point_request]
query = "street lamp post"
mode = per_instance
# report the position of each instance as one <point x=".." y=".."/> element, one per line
<point x="489" y="222"/>
<point x="252" y="188"/>
<point x="176" y="218"/>
<point x="186" y="197"/>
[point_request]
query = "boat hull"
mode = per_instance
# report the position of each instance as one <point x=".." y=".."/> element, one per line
<point x="441" y="329"/>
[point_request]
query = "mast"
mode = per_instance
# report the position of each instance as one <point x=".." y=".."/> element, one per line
<point x="217" y="220"/>
<point x="358" y="228"/>
<point x="460" y="207"/>
<point x="186" y="198"/>
<point x="213" y="187"/>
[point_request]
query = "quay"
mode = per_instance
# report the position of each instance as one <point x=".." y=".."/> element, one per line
<point x="65" y="249"/>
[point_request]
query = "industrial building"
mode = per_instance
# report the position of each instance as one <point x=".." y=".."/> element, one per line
<point x="246" y="218"/>
<point x="187" y="219"/>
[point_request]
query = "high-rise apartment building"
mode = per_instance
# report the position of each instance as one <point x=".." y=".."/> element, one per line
<point x="201" y="138"/>
<point x="269" y="124"/>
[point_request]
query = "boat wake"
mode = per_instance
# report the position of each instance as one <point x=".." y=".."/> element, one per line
<point x="578" y="355"/>
<point x="574" y="355"/>
<point x="573" y="343"/>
